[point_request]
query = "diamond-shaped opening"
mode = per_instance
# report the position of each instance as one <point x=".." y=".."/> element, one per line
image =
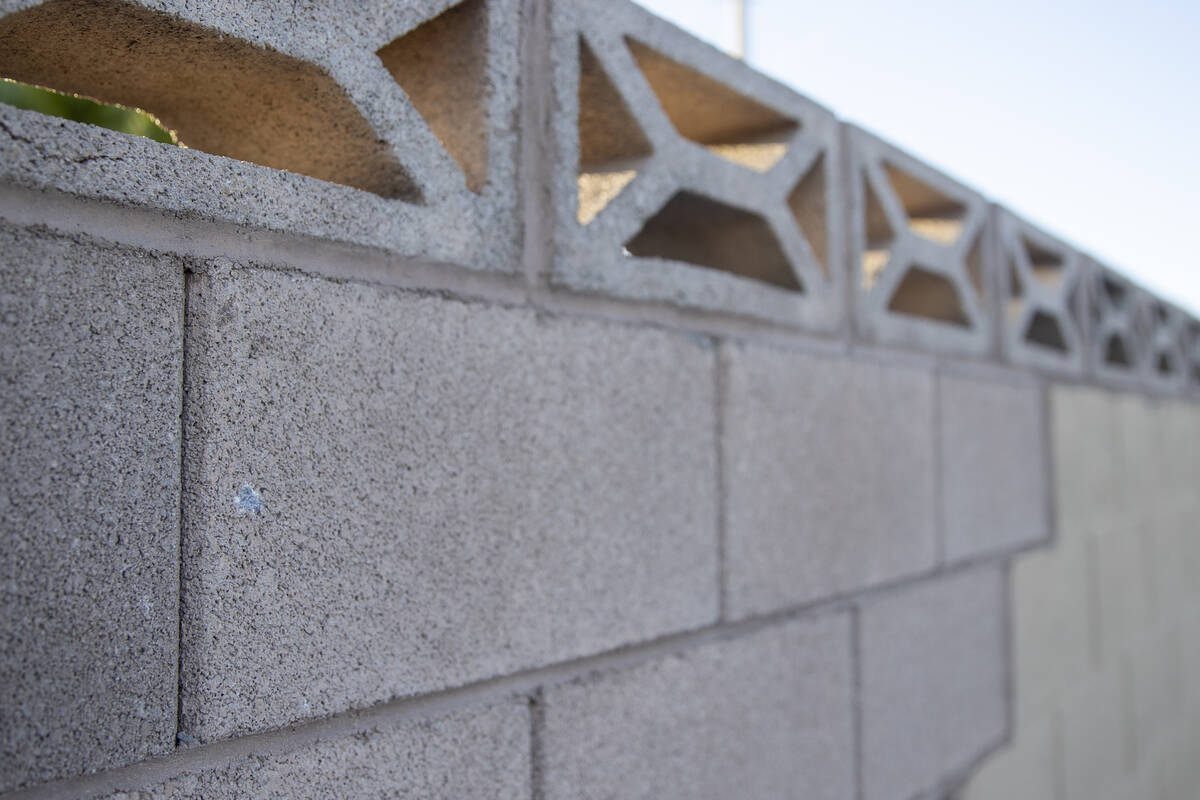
<point x="931" y="213"/>
<point x="880" y="237"/>
<point x="808" y="204"/>
<point x="1044" y="330"/>
<point x="710" y="113"/>
<point x="1115" y="352"/>
<point x="927" y="294"/>
<point x="442" y="66"/>
<point x="612" y="145"/>
<point x="701" y="231"/>
<point x="1048" y="266"/>
<point x="221" y="94"/>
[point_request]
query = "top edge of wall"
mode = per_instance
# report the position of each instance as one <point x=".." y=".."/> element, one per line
<point x="678" y="176"/>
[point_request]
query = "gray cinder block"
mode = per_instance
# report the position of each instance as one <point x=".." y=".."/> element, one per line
<point x="1167" y="356"/>
<point x="933" y="681"/>
<point x="477" y="753"/>
<point x="90" y="354"/>
<point x="830" y="473"/>
<point x="408" y="107"/>
<point x="1042" y="298"/>
<point x="921" y="254"/>
<point x="1117" y="332"/>
<point x="682" y="176"/>
<point x="768" y="714"/>
<point x="994" y="452"/>
<point x="390" y="494"/>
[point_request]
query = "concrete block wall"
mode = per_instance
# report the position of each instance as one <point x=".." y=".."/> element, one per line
<point x="536" y="403"/>
<point x="1104" y="630"/>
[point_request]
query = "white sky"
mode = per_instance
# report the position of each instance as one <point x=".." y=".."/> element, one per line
<point x="1081" y="115"/>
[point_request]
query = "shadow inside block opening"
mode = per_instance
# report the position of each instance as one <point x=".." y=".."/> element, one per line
<point x="220" y="94"/>
<point x="707" y="233"/>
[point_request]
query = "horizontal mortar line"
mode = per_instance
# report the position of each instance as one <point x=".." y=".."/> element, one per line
<point x="157" y="230"/>
<point x="161" y="231"/>
<point x="492" y="691"/>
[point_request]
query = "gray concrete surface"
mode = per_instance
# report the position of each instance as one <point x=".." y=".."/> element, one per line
<point x="995" y="490"/>
<point x="448" y="492"/>
<point x="830" y="474"/>
<point x="768" y="714"/>
<point x="934" y="674"/>
<point x="634" y="94"/>
<point x="477" y="753"/>
<point x="90" y="358"/>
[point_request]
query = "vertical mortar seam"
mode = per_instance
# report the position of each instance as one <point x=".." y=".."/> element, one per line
<point x="188" y="279"/>
<point x="537" y="750"/>
<point x="719" y="384"/>
<point x="939" y="489"/>
<point x="535" y="170"/>
<point x="856" y="669"/>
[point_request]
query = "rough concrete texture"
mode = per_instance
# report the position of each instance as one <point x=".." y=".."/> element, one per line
<point x="391" y="494"/>
<point x="921" y="256"/>
<point x="993" y="461"/>
<point x="1115" y="328"/>
<point x="1042" y="297"/>
<point x="91" y="349"/>
<point x="648" y="119"/>
<point x="343" y="118"/>
<point x="768" y="714"/>
<point x="829" y="470"/>
<point x="480" y="753"/>
<point x="933" y="677"/>
<point x="1104" y="623"/>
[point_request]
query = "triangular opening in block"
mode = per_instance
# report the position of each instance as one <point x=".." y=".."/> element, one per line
<point x="219" y="93"/>
<point x="1048" y="266"/>
<point x="809" y="207"/>
<point x="932" y="214"/>
<point x="1165" y="365"/>
<point x="707" y="233"/>
<point x="113" y="116"/>
<point x="612" y="145"/>
<point x="1044" y="330"/>
<point x="442" y="66"/>
<point x="710" y="113"/>
<point x="1115" y="352"/>
<point x="879" y="237"/>
<point x="923" y="293"/>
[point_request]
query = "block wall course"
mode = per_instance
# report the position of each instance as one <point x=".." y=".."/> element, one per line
<point x="390" y="494"/>
<point x="476" y="753"/>
<point x="993" y="462"/>
<point x="769" y="714"/>
<point x="933" y="681"/>
<point x="91" y="350"/>
<point x="830" y="474"/>
<point x="318" y="99"/>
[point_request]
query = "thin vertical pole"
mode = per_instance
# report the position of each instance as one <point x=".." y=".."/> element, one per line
<point x="739" y="10"/>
